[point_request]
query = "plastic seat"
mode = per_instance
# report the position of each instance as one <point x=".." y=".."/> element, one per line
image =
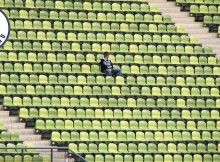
<point x="128" y="158"/>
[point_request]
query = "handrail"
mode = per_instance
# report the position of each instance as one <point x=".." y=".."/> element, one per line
<point x="69" y="152"/>
<point x="78" y="156"/>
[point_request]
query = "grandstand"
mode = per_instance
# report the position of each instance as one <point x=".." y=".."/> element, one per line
<point x="165" y="107"/>
<point x="206" y="11"/>
<point x="12" y="148"/>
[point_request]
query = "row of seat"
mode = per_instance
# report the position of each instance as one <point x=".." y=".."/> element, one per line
<point x="108" y="90"/>
<point x="122" y="27"/>
<point x="212" y="20"/>
<point x="118" y="58"/>
<point x="101" y="80"/>
<point x="110" y="102"/>
<point x="94" y="68"/>
<point x="152" y="158"/>
<point x="206" y="2"/>
<point x="142" y="148"/>
<point x="16" y="148"/>
<point x="133" y="125"/>
<point x="8" y="137"/>
<point x="102" y="136"/>
<point x="107" y="15"/>
<point x="87" y="5"/>
<point x="114" y="57"/>
<point x="93" y="37"/>
<point x="124" y="45"/>
<point x="204" y="9"/>
<point x="156" y="46"/>
<point x="162" y="36"/>
<point x="27" y="158"/>
<point x="102" y="47"/>
<point x="26" y="113"/>
<point x="146" y="63"/>
<point x="97" y="25"/>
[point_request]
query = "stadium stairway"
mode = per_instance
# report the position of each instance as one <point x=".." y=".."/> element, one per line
<point x="193" y="28"/>
<point x="28" y="135"/>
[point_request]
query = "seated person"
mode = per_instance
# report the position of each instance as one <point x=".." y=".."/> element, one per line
<point x="107" y="67"/>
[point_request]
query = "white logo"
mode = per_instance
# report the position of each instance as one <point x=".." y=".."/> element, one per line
<point x="4" y="28"/>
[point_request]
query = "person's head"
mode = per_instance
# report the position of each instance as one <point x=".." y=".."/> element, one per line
<point x="106" y="55"/>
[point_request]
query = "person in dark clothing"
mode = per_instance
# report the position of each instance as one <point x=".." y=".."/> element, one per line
<point x="107" y="67"/>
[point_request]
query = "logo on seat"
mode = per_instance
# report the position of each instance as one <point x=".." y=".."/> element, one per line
<point x="4" y="28"/>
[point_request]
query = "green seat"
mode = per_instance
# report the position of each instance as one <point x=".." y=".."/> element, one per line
<point x="55" y="136"/>
<point x="78" y="5"/>
<point x="93" y="147"/>
<point x="152" y="27"/>
<point x="204" y="9"/>
<point x="153" y="8"/>
<point x="109" y="158"/>
<point x="68" y="5"/>
<point x="89" y="158"/>
<point x="128" y="158"/>
<point x="97" y="5"/>
<point x="116" y="7"/>
<point x="99" y="158"/>
<point x="73" y="147"/>
<point x="194" y="9"/>
<point x="158" y="18"/>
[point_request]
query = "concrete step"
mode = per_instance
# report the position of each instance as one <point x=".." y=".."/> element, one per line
<point x="213" y="44"/>
<point x="1" y="107"/>
<point x="161" y="1"/>
<point x="213" y="40"/>
<point x="202" y="36"/>
<point x="164" y="4"/>
<point x="184" y="16"/>
<point x="28" y="137"/>
<point x="10" y="119"/>
<point x="171" y="9"/>
<point x="61" y="160"/>
<point x="4" y="114"/>
<point x="196" y="31"/>
<point x="26" y="131"/>
<point x="14" y="125"/>
<point x="183" y="21"/>
<point x="55" y="154"/>
<point x="38" y="143"/>
<point x="217" y="54"/>
<point x="43" y="151"/>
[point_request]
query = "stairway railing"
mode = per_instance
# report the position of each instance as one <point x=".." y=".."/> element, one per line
<point x="70" y="156"/>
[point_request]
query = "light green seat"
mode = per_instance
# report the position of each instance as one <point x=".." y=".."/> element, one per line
<point x="158" y="18"/>
<point x="194" y="9"/>
<point x="97" y="5"/>
<point x="204" y="9"/>
<point x="78" y="5"/>
<point x="126" y="6"/>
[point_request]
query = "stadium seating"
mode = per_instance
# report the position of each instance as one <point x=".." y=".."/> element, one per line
<point x="10" y="148"/>
<point x="165" y="107"/>
<point x="204" y="10"/>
